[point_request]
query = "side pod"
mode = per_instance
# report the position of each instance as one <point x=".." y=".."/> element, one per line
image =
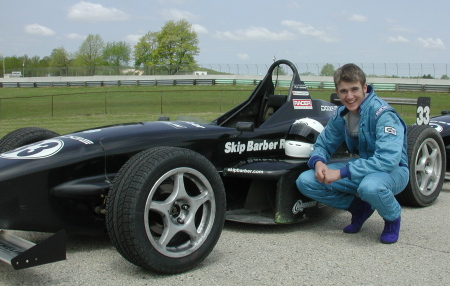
<point x="21" y="253"/>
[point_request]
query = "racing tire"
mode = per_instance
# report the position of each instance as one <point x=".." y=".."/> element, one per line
<point x="427" y="161"/>
<point x="166" y="209"/>
<point x="24" y="136"/>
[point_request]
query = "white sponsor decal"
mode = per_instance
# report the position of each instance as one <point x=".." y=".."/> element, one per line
<point x="251" y="146"/>
<point x="244" y="171"/>
<point x="194" y="124"/>
<point x="92" y="131"/>
<point x="300" y="206"/>
<point x="390" y="130"/>
<point x="43" y="149"/>
<point x="440" y="122"/>
<point x="328" y="108"/>
<point x="302" y="103"/>
<point x="302" y="93"/>
<point x="80" y="139"/>
<point x="174" y="125"/>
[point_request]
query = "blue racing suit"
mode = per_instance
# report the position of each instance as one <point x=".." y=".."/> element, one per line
<point x="378" y="173"/>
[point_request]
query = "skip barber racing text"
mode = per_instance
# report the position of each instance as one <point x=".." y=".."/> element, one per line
<point x="260" y="145"/>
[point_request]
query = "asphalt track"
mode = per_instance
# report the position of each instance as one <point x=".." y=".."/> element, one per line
<point x="316" y="252"/>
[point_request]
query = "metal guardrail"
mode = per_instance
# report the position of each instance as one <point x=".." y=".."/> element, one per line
<point x="253" y="82"/>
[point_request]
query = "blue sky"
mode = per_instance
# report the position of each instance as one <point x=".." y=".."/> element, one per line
<point x="239" y="32"/>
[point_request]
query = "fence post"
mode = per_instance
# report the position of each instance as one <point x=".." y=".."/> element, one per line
<point x="220" y="105"/>
<point x="161" y="104"/>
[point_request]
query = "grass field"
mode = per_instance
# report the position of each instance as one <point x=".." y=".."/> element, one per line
<point x="65" y="110"/>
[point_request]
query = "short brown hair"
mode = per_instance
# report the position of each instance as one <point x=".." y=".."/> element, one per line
<point x="349" y="73"/>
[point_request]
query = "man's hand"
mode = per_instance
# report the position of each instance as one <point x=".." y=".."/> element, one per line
<point x="332" y="175"/>
<point x="320" y="168"/>
<point x="325" y="175"/>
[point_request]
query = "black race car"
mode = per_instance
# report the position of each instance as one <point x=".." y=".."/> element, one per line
<point x="162" y="190"/>
<point x="442" y="125"/>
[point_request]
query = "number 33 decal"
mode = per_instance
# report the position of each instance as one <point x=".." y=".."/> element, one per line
<point x="423" y="115"/>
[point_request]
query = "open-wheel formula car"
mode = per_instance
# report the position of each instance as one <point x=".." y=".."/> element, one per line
<point x="163" y="189"/>
<point x="442" y="124"/>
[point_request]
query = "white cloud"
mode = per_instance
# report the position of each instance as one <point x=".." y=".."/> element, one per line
<point x="358" y="18"/>
<point x="199" y="29"/>
<point x="75" y="36"/>
<point x="294" y="5"/>
<point x="133" y="38"/>
<point x="398" y="39"/>
<point x="175" y="14"/>
<point x="36" y="29"/>
<point x="308" y="30"/>
<point x="170" y="2"/>
<point x="399" y="29"/>
<point x="255" y="33"/>
<point x="243" y="56"/>
<point x="303" y="28"/>
<point x="91" y="12"/>
<point x="432" y="43"/>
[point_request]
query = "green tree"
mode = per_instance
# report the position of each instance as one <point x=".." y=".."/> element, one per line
<point x="89" y="54"/>
<point x="44" y="62"/>
<point x="15" y="63"/>
<point x="327" y="70"/>
<point x="34" y="62"/>
<point x="177" y="44"/>
<point x="117" y="54"/>
<point x="143" y="50"/>
<point x="61" y="59"/>
<point x="33" y="66"/>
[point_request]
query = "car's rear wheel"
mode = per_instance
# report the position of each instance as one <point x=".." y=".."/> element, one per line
<point x="166" y="209"/>
<point x="24" y="136"/>
<point x="427" y="161"/>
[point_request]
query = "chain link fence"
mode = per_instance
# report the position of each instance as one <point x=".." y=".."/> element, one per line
<point x="392" y="70"/>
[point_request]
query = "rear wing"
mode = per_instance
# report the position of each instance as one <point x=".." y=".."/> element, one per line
<point x="422" y="106"/>
<point x="21" y="253"/>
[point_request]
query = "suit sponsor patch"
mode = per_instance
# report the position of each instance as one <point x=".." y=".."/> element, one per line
<point x="391" y="130"/>
<point x="381" y="110"/>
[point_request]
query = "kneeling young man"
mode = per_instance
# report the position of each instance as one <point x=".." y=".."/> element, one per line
<point x="375" y="132"/>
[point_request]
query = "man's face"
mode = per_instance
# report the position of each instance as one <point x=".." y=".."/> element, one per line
<point x="351" y="94"/>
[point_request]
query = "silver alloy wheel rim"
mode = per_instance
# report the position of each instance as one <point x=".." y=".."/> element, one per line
<point x="179" y="212"/>
<point x="428" y="166"/>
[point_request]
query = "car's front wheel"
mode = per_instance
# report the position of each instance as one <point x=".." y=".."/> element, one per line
<point x="426" y="153"/>
<point x="166" y="209"/>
